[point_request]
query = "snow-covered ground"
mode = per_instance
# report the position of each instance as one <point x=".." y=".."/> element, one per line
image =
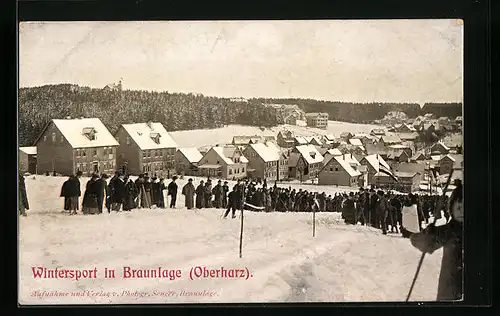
<point x="224" y="135"/>
<point x="340" y="264"/>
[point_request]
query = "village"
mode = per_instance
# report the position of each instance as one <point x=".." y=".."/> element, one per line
<point x="420" y="152"/>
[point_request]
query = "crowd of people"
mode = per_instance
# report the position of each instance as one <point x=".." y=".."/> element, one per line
<point x="372" y="207"/>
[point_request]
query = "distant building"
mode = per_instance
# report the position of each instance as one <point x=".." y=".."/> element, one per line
<point x="114" y="86"/>
<point x="285" y="139"/>
<point x="377" y="132"/>
<point x="146" y="148"/>
<point x="388" y="140"/>
<point x="330" y="153"/>
<point x="447" y="162"/>
<point x="27" y="159"/>
<point x="288" y="113"/>
<point x="345" y="136"/>
<point x="227" y="162"/>
<point x="186" y="161"/>
<point x="246" y="140"/>
<point x="66" y="146"/>
<point x="373" y="163"/>
<point x="300" y="140"/>
<point x="439" y="149"/>
<point x="318" y="120"/>
<point x="338" y="171"/>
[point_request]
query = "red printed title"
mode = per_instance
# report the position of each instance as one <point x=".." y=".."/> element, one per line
<point x="126" y="272"/>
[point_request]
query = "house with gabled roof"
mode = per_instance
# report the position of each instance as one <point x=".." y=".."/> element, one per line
<point x="186" y="161"/>
<point x="226" y="162"/>
<point x="300" y="140"/>
<point x="392" y="139"/>
<point x="439" y="148"/>
<point x="346" y="136"/>
<point x="419" y="156"/>
<point x="308" y="163"/>
<point x="377" y="132"/>
<point x="449" y="161"/>
<point x="146" y="148"/>
<point x="264" y="161"/>
<point x="285" y="139"/>
<point x="373" y="163"/>
<point x="66" y="146"/>
<point x="339" y="171"/>
<point x="330" y="153"/>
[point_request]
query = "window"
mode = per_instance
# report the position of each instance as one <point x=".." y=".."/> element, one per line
<point x="84" y="153"/>
<point x="143" y="154"/>
<point x="331" y="169"/>
<point x="45" y="138"/>
<point x="218" y="162"/>
<point x="62" y="138"/>
<point x="238" y="170"/>
<point x="94" y="152"/>
<point x="336" y="169"/>
<point x="230" y="171"/>
<point x="148" y="153"/>
<point x="242" y="169"/>
<point x="158" y="154"/>
<point x="78" y="166"/>
<point x="128" y="140"/>
<point x="53" y="137"/>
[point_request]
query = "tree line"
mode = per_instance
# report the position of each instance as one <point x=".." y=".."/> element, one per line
<point x="368" y="112"/>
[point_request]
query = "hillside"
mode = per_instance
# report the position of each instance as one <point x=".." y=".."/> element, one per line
<point x="341" y="264"/>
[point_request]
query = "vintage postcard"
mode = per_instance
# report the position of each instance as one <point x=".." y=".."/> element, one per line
<point x="261" y="161"/>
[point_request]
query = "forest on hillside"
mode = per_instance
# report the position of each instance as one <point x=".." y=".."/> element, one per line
<point x="176" y="111"/>
<point x="368" y="112"/>
<point x="185" y="111"/>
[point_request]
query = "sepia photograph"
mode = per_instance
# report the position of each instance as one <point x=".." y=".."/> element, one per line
<point x="245" y="161"/>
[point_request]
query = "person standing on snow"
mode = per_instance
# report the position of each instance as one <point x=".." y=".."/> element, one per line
<point x="172" y="191"/>
<point x="448" y="236"/>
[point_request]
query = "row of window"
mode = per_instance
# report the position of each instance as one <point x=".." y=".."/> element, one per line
<point x="155" y="153"/>
<point x="270" y="175"/>
<point x="54" y="138"/>
<point x="93" y="151"/>
<point x="158" y="166"/>
<point x="237" y="170"/>
<point x="106" y="165"/>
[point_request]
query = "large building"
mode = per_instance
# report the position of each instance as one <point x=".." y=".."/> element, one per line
<point x="145" y="148"/>
<point x="227" y="162"/>
<point x="66" y="146"/>
<point x="373" y="163"/>
<point x="305" y="163"/>
<point x="318" y="120"/>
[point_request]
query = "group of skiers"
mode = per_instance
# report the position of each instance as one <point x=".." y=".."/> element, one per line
<point x="120" y="194"/>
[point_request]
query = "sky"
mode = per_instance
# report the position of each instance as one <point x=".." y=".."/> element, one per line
<point x="354" y="61"/>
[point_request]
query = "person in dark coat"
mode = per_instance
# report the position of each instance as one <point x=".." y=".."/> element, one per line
<point x="139" y="184"/>
<point x="131" y="194"/>
<point x="208" y="194"/>
<point x="146" y="197"/>
<point x="322" y="202"/>
<point x="155" y="191"/>
<point x="101" y="193"/>
<point x="218" y="192"/>
<point x="448" y="236"/>
<point x="161" y="197"/>
<point x="172" y="191"/>
<point x="188" y="191"/>
<point x="23" y="196"/>
<point x="233" y="202"/>
<point x="225" y="192"/>
<point x="349" y="211"/>
<point x="200" y="195"/>
<point x="70" y="194"/>
<point x="382" y="211"/>
<point x="119" y="194"/>
<point x="90" y="204"/>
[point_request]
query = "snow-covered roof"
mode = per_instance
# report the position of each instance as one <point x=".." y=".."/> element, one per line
<point x="355" y="142"/>
<point x="398" y="146"/>
<point x="374" y="161"/>
<point x="274" y="146"/>
<point x="301" y="140"/>
<point x="350" y="158"/>
<point x="391" y="139"/>
<point x="334" y="152"/>
<point x="72" y="130"/>
<point x="226" y="153"/>
<point x="192" y="154"/>
<point x="436" y="157"/>
<point x="143" y="135"/>
<point x="307" y="150"/>
<point x="31" y="150"/>
<point x="266" y="153"/>
<point x="346" y="166"/>
<point x="442" y="144"/>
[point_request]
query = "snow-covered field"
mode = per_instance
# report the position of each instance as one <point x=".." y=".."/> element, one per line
<point x="224" y="135"/>
<point x="286" y="264"/>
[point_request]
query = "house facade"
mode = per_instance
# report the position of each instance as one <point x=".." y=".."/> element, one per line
<point x="338" y="171"/>
<point x="449" y="162"/>
<point x="146" y="148"/>
<point x="439" y="149"/>
<point x="285" y="139"/>
<point x="186" y="161"/>
<point x="226" y="162"/>
<point x="27" y="159"/>
<point x="373" y="163"/>
<point x="309" y="165"/>
<point x="66" y="146"/>
<point x="263" y="162"/>
<point x="407" y="181"/>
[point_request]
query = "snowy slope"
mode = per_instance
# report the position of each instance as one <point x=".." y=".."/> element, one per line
<point x="342" y="263"/>
<point x="224" y="135"/>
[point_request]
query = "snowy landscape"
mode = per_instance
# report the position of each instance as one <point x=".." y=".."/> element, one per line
<point x="342" y="263"/>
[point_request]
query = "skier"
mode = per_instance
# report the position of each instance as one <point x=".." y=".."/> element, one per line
<point x="233" y="202"/>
